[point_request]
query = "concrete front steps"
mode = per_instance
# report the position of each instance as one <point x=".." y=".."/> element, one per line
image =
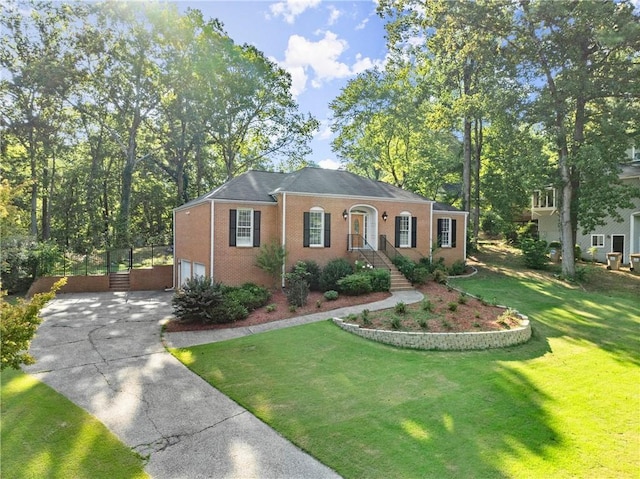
<point x="119" y="281"/>
<point x="398" y="281"/>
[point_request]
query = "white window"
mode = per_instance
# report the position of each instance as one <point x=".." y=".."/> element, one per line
<point x="244" y="228"/>
<point x="597" y="241"/>
<point x="185" y="272"/>
<point x="405" y="230"/>
<point x="544" y="198"/>
<point x="316" y="227"/>
<point x="198" y="270"/>
<point x="444" y="232"/>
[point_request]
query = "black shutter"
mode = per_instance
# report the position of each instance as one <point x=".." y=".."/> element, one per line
<point x="453" y="233"/>
<point x="306" y="230"/>
<point x="439" y="233"/>
<point x="256" y="229"/>
<point x="232" y="227"/>
<point x="327" y="230"/>
<point x="397" y="241"/>
<point x="414" y="231"/>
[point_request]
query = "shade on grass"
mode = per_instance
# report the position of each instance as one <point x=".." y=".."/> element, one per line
<point x="566" y="404"/>
<point x="44" y="435"/>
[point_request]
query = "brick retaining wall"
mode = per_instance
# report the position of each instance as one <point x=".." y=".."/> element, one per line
<point x="444" y="341"/>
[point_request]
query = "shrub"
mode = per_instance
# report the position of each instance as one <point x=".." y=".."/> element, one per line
<point x="420" y="275"/>
<point x="315" y="272"/>
<point x="18" y="324"/>
<point x="405" y="266"/>
<point x="457" y="268"/>
<point x="396" y="323"/>
<point x="433" y="265"/>
<point x="197" y="300"/>
<point x="380" y="279"/>
<point x="453" y="306"/>
<point x="440" y="276"/>
<point x="270" y="259"/>
<point x="230" y="310"/>
<point x="331" y="295"/>
<point x="422" y="322"/>
<point x="249" y="295"/>
<point x="319" y="304"/>
<point x="271" y="308"/>
<point x="400" y="308"/>
<point x="527" y="232"/>
<point x="462" y="299"/>
<point x="534" y="253"/>
<point x="333" y="272"/>
<point x="365" y="317"/>
<point x="297" y="285"/>
<point x="355" y="284"/>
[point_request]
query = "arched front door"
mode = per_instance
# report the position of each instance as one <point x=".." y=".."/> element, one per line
<point x="358" y="229"/>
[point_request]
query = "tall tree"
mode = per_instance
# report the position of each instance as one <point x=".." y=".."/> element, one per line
<point x="586" y="56"/>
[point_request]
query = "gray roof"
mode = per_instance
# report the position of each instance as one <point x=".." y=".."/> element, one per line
<point x="264" y="185"/>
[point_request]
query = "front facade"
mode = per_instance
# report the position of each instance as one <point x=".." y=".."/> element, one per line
<point x="316" y="215"/>
<point x="613" y="236"/>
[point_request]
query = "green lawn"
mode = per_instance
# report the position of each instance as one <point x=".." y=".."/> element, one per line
<point x="566" y="404"/>
<point x="44" y="435"/>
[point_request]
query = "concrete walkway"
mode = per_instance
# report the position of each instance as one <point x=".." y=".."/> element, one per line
<point x="104" y="352"/>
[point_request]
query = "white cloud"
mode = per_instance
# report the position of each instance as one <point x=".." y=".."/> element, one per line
<point x="329" y="164"/>
<point x="362" y="24"/>
<point x="320" y="61"/>
<point x="334" y="14"/>
<point x="324" y="130"/>
<point x="290" y="9"/>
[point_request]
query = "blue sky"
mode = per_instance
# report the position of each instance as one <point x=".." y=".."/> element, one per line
<point x="322" y="44"/>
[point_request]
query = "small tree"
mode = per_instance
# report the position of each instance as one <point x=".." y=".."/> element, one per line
<point x="271" y="258"/>
<point x="18" y="324"/>
<point x="297" y="285"/>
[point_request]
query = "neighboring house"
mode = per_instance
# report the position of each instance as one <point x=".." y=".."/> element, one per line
<point x="316" y="214"/>
<point x="621" y="237"/>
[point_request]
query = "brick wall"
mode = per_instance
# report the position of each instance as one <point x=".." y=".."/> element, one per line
<point x="193" y="225"/>
<point x="450" y="255"/>
<point x="151" y="279"/>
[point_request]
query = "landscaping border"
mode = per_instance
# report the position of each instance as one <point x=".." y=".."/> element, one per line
<point x="444" y="341"/>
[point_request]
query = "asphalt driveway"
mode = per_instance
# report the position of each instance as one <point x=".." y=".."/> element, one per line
<point x="104" y="352"/>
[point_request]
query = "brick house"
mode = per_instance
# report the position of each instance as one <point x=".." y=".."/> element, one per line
<point x="316" y="214"/>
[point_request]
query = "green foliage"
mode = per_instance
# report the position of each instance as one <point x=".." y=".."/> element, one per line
<point x="18" y="325"/>
<point x="396" y="322"/>
<point x="271" y="308"/>
<point x="405" y="266"/>
<point x="380" y="279"/>
<point x="452" y="306"/>
<point x="355" y="284"/>
<point x="270" y="259"/>
<point x="534" y="252"/>
<point x="23" y="259"/>
<point x="249" y="295"/>
<point x="202" y="300"/>
<point x="333" y="272"/>
<point x="420" y="275"/>
<point x="462" y="298"/>
<point x="297" y="285"/>
<point x="526" y="232"/>
<point x="366" y="320"/>
<point x="400" y="308"/>
<point x="457" y="268"/>
<point x="331" y="295"/>
<point x="427" y="305"/>
<point x="422" y="322"/>
<point x="440" y="276"/>
<point x="315" y="272"/>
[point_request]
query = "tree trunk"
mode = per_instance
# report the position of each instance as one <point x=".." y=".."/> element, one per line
<point x="466" y="166"/>
<point x="477" y="164"/>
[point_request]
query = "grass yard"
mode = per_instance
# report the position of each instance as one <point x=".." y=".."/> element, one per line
<point x="44" y="435"/>
<point x="564" y="405"/>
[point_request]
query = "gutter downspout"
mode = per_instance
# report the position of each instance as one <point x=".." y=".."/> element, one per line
<point x="212" y="239"/>
<point x="284" y="231"/>
<point x="175" y="262"/>
<point x="431" y="234"/>
<point x="466" y="222"/>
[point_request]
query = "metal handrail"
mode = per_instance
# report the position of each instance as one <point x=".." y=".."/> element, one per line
<point x="367" y="252"/>
<point x="388" y="249"/>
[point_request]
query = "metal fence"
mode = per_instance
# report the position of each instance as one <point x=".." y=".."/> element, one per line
<point x="111" y="261"/>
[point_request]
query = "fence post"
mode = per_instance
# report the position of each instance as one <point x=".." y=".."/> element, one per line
<point x="152" y="255"/>
<point x="130" y="258"/>
<point x="86" y="264"/>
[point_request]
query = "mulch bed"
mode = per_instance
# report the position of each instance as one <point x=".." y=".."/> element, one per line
<point x="260" y="316"/>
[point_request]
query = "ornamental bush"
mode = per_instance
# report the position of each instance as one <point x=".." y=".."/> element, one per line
<point x="249" y="295"/>
<point x="315" y="272"/>
<point x="534" y="252"/>
<point x="380" y="279"/>
<point x="297" y="284"/>
<point x="331" y="295"/>
<point x="334" y="271"/>
<point x="355" y="284"/>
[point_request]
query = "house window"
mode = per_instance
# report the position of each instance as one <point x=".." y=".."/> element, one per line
<point x="185" y="271"/>
<point x="198" y="270"/>
<point x="597" y="241"/>
<point x="446" y="233"/>
<point x="244" y="228"/>
<point x="405" y="231"/>
<point x="544" y="198"/>
<point x="316" y="227"/>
